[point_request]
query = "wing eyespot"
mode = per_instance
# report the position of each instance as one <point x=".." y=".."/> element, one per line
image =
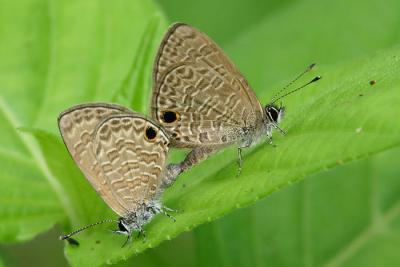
<point x="150" y="134"/>
<point x="169" y="116"/>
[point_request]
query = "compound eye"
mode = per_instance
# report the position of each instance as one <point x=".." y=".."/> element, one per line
<point x="122" y="227"/>
<point x="273" y="113"/>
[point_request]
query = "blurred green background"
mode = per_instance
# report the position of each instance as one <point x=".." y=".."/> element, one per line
<point x="348" y="216"/>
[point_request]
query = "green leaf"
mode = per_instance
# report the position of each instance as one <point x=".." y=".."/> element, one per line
<point x="328" y="140"/>
<point x="326" y="32"/>
<point x="29" y="205"/>
<point x="88" y="51"/>
<point x="77" y="52"/>
<point x="348" y="216"/>
<point x="272" y="51"/>
<point x="222" y="20"/>
<point x="55" y="54"/>
<point x="135" y="89"/>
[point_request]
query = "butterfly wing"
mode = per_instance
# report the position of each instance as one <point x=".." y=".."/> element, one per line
<point x="198" y="90"/>
<point x="132" y="151"/>
<point x="77" y="126"/>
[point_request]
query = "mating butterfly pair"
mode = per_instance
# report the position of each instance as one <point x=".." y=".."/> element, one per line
<point x="200" y="101"/>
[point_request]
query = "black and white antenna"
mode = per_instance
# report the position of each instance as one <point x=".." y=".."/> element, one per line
<point x="279" y="95"/>
<point x="67" y="236"/>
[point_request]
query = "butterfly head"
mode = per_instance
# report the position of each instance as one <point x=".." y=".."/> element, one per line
<point x="125" y="227"/>
<point x="133" y="221"/>
<point x="274" y="113"/>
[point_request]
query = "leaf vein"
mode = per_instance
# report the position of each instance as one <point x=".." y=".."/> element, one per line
<point x="37" y="156"/>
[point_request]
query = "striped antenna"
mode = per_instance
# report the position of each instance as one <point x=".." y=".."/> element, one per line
<point x="67" y="236"/>
<point x="297" y="89"/>
<point x="276" y="96"/>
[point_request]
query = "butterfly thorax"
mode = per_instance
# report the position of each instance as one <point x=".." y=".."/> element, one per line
<point x="251" y="135"/>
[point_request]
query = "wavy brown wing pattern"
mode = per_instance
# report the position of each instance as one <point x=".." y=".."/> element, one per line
<point x="77" y="126"/>
<point x="198" y="94"/>
<point x="132" y="151"/>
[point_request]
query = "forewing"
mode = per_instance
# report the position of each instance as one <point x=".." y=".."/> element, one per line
<point x="132" y="151"/>
<point x="77" y="126"/>
<point x="194" y="79"/>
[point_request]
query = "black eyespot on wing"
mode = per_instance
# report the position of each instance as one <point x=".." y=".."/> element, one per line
<point x="169" y="116"/>
<point x="150" y="134"/>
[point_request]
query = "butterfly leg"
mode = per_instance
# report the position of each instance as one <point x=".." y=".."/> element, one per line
<point x="143" y="233"/>
<point x="129" y="238"/>
<point x="164" y="211"/>
<point x="240" y="161"/>
<point x="169" y="209"/>
<point x="279" y="129"/>
<point x="118" y="232"/>
<point x="269" y="139"/>
<point x="239" y="151"/>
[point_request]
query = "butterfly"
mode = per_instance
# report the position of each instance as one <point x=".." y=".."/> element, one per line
<point x="202" y="100"/>
<point x="122" y="154"/>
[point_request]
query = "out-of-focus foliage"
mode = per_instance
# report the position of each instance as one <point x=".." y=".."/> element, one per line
<point x="56" y="54"/>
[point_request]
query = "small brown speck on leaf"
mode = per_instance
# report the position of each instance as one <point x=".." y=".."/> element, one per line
<point x="372" y="82"/>
<point x="340" y="162"/>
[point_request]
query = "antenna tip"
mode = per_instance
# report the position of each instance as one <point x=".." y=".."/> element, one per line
<point x="316" y="79"/>
<point x="312" y="66"/>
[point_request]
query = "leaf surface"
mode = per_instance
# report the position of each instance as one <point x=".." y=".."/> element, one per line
<point x="55" y="54"/>
<point x="316" y="140"/>
<point x="347" y="216"/>
<point x="91" y="51"/>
